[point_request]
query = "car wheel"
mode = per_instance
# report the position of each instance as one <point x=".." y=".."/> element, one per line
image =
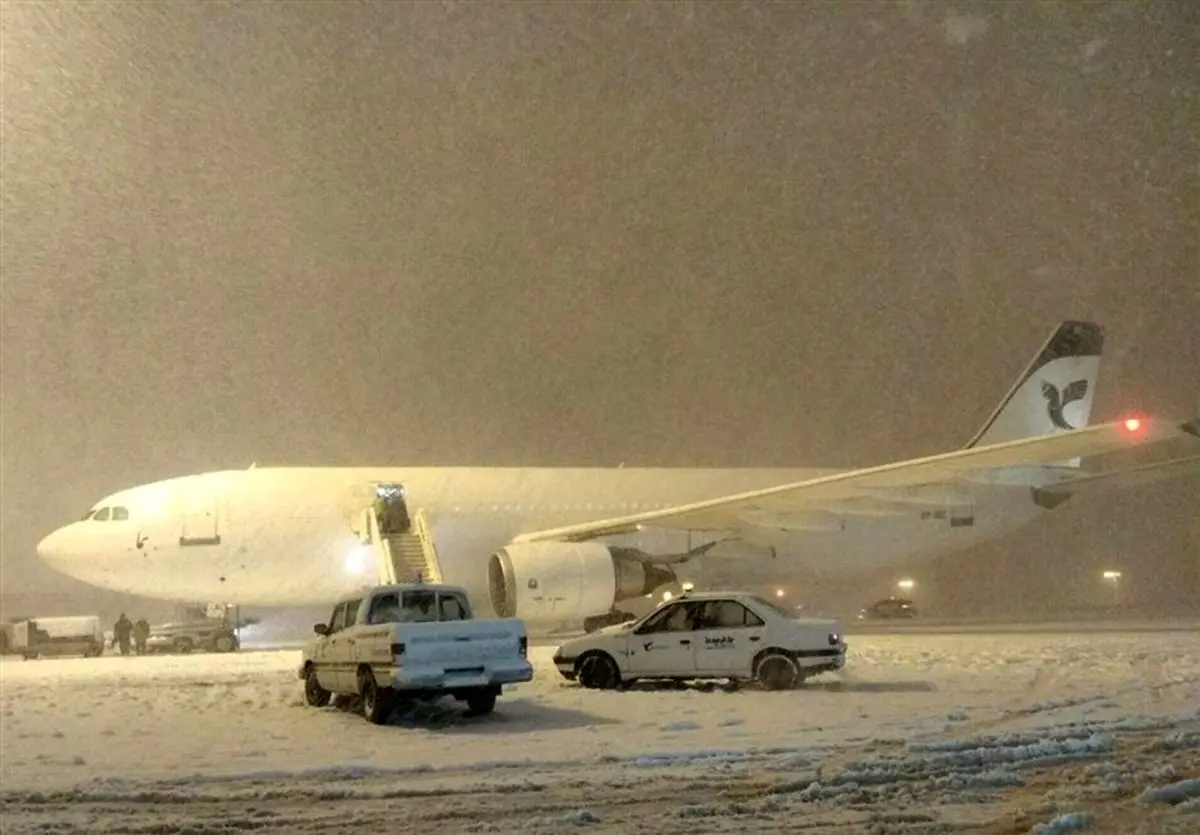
<point x="376" y="700"/>
<point x="777" y="672"/>
<point x="598" y="671"/>
<point x="223" y="643"/>
<point x="314" y="694"/>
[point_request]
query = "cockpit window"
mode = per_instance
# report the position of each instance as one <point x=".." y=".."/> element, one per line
<point x="87" y="515"/>
<point x="101" y="515"/>
<point x="120" y="513"/>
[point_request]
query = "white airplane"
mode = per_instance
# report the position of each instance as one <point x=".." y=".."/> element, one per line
<point x="558" y="544"/>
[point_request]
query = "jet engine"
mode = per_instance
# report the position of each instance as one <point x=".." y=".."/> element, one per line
<point x="568" y="580"/>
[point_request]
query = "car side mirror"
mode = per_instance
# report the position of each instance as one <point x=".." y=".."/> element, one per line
<point x="321" y="628"/>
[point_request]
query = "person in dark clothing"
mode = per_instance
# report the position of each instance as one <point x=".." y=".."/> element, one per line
<point x="141" y="634"/>
<point x="122" y="630"/>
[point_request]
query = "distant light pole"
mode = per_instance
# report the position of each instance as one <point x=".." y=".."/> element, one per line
<point x="1113" y="578"/>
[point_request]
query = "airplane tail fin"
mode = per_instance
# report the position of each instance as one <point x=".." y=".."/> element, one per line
<point x="1056" y="391"/>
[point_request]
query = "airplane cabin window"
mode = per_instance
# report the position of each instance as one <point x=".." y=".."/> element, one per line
<point x="120" y="513"/>
<point x="101" y="515"/>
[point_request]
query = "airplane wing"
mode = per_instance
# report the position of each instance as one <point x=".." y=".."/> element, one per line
<point x="801" y="504"/>
<point x="1128" y="476"/>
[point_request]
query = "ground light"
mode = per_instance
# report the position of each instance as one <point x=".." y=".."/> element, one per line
<point x="1113" y="578"/>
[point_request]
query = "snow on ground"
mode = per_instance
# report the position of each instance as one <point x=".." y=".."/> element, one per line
<point x="1011" y="733"/>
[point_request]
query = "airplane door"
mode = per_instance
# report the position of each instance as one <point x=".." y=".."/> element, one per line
<point x="200" y="522"/>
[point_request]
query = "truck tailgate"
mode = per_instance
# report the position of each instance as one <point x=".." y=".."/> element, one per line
<point x="460" y="646"/>
<point x="457" y="655"/>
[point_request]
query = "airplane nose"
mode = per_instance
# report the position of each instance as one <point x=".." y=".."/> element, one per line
<point x="50" y="549"/>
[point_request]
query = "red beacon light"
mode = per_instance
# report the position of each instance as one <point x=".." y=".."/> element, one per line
<point x="1132" y="425"/>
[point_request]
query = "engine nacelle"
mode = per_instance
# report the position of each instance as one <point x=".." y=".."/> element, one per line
<point x="568" y="580"/>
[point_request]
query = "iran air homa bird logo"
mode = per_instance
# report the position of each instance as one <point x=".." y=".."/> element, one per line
<point x="1057" y="400"/>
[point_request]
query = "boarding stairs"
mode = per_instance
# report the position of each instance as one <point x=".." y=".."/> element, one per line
<point x="406" y="557"/>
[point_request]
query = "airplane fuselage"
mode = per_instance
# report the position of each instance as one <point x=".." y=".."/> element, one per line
<point x="287" y="536"/>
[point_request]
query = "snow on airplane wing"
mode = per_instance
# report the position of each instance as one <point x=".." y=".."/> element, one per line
<point x="827" y="494"/>
<point x="1129" y="476"/>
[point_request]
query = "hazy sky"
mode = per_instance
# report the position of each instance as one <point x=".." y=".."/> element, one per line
<point x="664" y="234"/>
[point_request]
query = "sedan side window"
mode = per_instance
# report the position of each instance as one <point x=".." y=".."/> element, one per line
<point x="655" y="622"/>
<point x="727" y="614"/>
<point x="673" y="618"/>
<point x="683" y="619"/>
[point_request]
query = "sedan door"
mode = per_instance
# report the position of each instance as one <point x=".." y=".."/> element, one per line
<point x="663" y="645"/>
<point x="727" y="637"/>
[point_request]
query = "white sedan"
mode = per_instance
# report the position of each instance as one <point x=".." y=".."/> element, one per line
<point x="707" y="636"/>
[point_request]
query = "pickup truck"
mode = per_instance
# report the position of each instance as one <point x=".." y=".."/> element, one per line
<point x="207" y="635"/>
<point x="711" y="635"/>
<point x="394" y="643"/>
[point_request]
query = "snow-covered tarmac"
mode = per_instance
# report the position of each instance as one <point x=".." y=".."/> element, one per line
<point x="921" y="733"/>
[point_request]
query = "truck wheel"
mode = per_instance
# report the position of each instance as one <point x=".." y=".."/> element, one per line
<point x="481" y="702"/>
<point x="314" y="694"/>
<point x="183" y="645"/>
<point x="223" y="643"/>
<point x="777" y="672"/>
<point x="376" y="700"/>
<point x="598" y="671"/>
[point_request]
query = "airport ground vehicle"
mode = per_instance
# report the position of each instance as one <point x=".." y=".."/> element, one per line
<point x="891" y="608"/>
<point x="205" y="634"/>
<point x="55" y="637"/>
<point x="413" y="641"/>
<point x="710" y="635"/>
